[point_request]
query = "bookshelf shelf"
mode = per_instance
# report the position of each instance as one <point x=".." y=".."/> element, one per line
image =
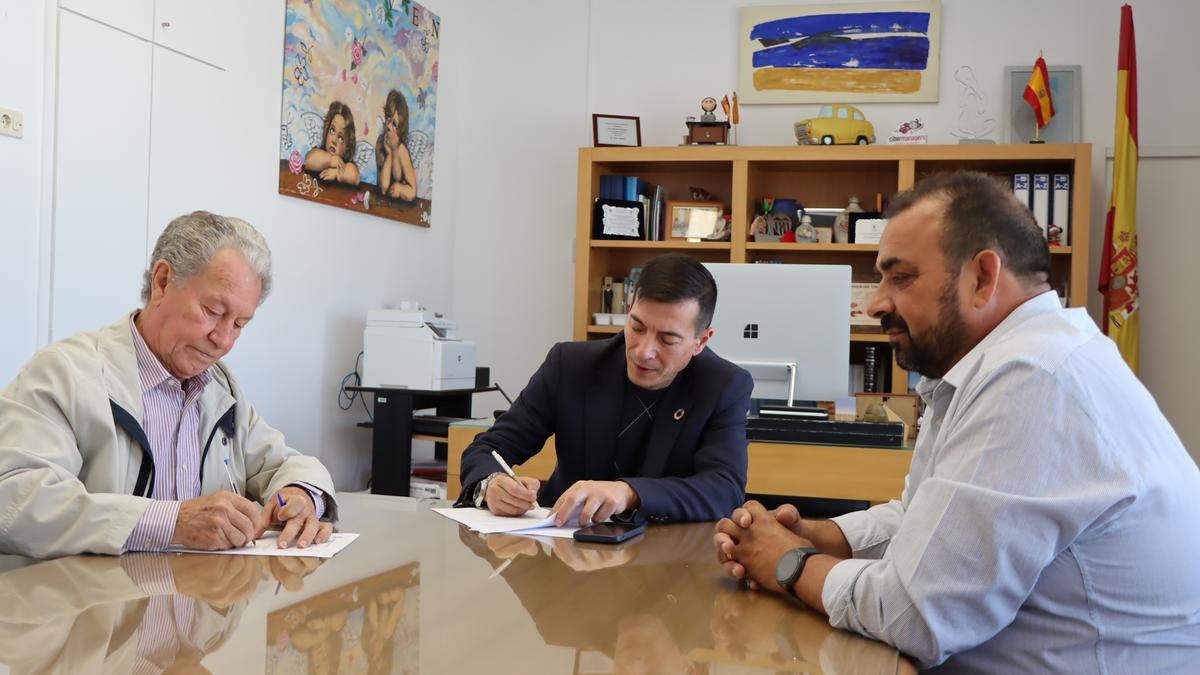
<point x="813" y="248"/>
<point x="662" y="245"/>
<point x="868" y="337"/>
<point x="819" y="176"/>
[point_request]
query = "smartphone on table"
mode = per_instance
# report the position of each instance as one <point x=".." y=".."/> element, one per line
<point x="609" y="533"/>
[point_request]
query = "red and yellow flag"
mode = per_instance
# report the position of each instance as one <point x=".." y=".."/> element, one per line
<point x="725" y="104"/>
<point x="1118" y="263"/>
<point x="1037" y="93"/>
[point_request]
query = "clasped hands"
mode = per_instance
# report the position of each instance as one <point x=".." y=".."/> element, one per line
<point x="594" y="500"/>
<point x="224" y="520"/>
<point x="752" y="539"/>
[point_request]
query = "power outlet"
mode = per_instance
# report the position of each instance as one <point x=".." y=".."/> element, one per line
<point x="12" y="123"/>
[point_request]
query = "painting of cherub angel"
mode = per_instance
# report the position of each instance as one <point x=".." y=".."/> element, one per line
<point x="359" y="97"/>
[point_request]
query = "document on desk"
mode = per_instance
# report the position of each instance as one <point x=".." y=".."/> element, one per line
<point x="268" y="547"/>
<point x="535" y="522"/>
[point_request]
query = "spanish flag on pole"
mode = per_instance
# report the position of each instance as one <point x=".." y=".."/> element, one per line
<point x="1118" y="263"/>
<point x="1037" y="93"/>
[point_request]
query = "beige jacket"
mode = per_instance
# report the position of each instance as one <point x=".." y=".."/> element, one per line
<point x="75" y="469"/>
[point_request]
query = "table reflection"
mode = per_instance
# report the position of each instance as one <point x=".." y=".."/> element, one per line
<point x="138" y="613"/>
<point x="369" y="626"/>
<point x="660" y="604"/>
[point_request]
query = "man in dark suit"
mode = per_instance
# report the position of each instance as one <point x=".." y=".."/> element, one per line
<point x="647" y="425"/>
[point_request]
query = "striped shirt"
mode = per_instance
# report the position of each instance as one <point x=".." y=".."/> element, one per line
<point x="171" y="420"/>
<point x="1048" y="522"/>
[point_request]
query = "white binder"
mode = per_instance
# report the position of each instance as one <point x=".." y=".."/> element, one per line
<point x="1041" y="200"/>
<point x="1021" y="188"/>
<point x="1062" y="206"/>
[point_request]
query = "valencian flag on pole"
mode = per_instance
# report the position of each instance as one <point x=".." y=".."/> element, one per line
<point x="1037" y="93"/>
<point x="1118" y="262"/>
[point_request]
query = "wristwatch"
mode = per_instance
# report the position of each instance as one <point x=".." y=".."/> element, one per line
<point x="481" y="490"/>
<point x="791" y="566"/>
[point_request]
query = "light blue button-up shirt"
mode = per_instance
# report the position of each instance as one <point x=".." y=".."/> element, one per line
<point x="1050" y="521"/>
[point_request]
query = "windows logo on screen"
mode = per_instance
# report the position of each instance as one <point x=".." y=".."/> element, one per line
<point x="750" y="332"/>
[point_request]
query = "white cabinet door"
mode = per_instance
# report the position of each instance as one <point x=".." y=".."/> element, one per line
<point x="102" y="148"/>
<point x="197" y="141"/>
<point x="198" y="29"/>
<point x="134" y="16"/>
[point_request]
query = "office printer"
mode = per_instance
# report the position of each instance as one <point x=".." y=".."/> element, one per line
<point x="416" y="349"/>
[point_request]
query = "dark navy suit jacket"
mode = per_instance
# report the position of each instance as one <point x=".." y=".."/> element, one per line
<point x="694" y="467"/>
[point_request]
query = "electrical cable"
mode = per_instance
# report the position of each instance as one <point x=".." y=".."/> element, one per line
<point x="345" y="399"/>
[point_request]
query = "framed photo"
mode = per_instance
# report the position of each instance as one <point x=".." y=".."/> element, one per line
<point x="695" y="221"/>
<point x="618" y="219"/>
<point x="1065" y="88"/>
<point x="616" y="131"/>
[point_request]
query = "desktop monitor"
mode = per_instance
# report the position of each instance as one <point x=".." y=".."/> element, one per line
<point x="769" y="316"/>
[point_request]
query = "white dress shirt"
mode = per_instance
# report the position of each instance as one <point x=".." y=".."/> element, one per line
<point x="1050" y="521"/>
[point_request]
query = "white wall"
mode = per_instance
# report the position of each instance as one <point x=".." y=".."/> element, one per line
<point x="524" y="83"/>
<point x="22" y="44"/>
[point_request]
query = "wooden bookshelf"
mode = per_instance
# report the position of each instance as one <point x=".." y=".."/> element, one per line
<point x="818" y="176"/>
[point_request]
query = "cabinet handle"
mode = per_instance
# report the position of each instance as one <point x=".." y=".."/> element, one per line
<point x="166" y="24"/>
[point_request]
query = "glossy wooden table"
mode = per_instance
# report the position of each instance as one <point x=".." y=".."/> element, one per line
<point x="417" y="593"/>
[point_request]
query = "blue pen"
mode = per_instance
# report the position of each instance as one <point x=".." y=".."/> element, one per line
<point x="229" y="474"/>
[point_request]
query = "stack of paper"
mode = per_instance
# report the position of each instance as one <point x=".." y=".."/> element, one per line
<point x="537" y="521"/>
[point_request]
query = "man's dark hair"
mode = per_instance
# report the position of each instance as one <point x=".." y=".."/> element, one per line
<point x="676" y="277"/>
<point x="980" y="214"/>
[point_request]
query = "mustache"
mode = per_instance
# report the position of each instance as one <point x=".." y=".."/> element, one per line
<point x="892" y="320"/>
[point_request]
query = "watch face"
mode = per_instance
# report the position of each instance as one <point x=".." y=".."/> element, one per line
<point x="787" y="568"/>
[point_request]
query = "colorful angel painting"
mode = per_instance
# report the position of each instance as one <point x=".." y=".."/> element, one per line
<point x="359" y="97"/>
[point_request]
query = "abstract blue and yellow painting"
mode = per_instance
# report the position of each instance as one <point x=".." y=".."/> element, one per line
<point x="848" y="52"/>
<point x="359" y="101"/>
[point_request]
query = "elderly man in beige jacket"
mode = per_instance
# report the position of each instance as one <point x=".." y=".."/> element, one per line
<point x="137" y="437"/>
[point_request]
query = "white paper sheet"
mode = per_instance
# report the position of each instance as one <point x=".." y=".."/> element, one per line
<point x="536" y="522"/>
<point x="266" y="546"/>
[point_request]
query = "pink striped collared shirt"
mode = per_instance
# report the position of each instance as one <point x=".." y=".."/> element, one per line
<point x="171" y="420"/>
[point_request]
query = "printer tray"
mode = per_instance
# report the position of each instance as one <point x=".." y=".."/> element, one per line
<point x="432" y="425"/>
<point x="800" y="430"/>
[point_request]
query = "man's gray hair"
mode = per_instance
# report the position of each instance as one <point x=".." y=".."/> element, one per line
<point x="190" y="241"/>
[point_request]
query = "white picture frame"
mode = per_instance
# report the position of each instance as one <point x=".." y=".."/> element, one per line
<point x="1066" y="85"/>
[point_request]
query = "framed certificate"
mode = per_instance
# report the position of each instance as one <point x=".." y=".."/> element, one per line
<point x="616" y="130"/>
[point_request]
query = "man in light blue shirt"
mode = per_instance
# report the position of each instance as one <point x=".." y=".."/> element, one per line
<point x="1050" y="521"/>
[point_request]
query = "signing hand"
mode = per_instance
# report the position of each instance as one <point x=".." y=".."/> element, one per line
<point x="595" y="500"/>
<point x="507" y="496"/>
<point x="750" y="543"/>
<point x="299" y="518"/>
<point x="216" y="522"/>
